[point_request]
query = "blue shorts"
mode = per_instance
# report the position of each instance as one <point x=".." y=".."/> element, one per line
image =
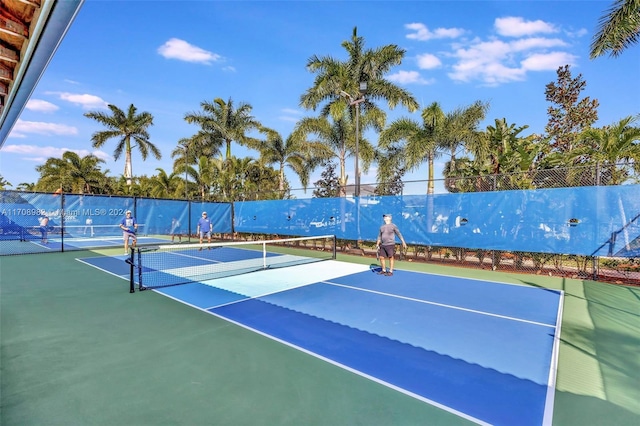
<point x="205" y="234"/>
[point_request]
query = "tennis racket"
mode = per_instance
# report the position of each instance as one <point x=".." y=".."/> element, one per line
<point x="378" y="253"/>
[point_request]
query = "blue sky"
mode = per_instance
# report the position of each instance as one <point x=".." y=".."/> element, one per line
<point x="166" y="57"/>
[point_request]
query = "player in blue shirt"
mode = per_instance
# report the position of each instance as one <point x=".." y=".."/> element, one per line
<point x="129" y="226"/>
<point x="204" y="228"/>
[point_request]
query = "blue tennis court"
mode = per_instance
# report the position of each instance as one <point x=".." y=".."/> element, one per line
<point x="482" y="350"/>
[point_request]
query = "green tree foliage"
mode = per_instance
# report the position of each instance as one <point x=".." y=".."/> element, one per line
<point x="614" y="151"/>
<point x="4" y="183"/>
<point x="338" y="83"/>
<point x="126" y="128"/>
<point x="332" y="134"/>
<point x="296" y="152"/>
<point x="618" y="29"/>
<point x="571" y="115"/>
<point x="72" y="173"/>
<point x="328" y="185"/>
<point x="222" y="123"/>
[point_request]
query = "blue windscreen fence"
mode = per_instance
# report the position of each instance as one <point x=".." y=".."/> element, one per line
<point x="76" y="222"/>
<point x="588" y="221"/>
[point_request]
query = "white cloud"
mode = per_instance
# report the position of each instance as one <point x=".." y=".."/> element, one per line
<point x="548" y="61"/>
<point x="409" y="77"/>
<point x="422" y="33"/>
<point x="42" y="128"/>
<point x="428" y="61"/>
<point x="578" y="33"/>
<point x="86" y="101"/>
<point x="41" y="106"/>
<point x="181" y="50"/>
<point x="292" y="111"/>
<point x="496" y="61"/>
<point x="42" y="153"/>
<point x="513" y="26"/>
<point x="288" y="118"/>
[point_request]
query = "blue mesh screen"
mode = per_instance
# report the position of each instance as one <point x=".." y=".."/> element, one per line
<point x="602" y="221"/>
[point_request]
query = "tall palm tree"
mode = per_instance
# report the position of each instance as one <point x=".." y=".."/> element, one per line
<point x="338" y="83"/>
<point x="618" y="29"/>
<point x="421" y="140"/>
<point x="125" y="127"/>
<point x="221" y="123"/>
<point x="370" y="66"/>
<point x="460" y="130"/>
<point x="337" y="136"/>
<point x="296" y="152"/>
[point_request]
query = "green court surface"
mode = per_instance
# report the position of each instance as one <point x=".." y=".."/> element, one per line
<point x="78" y="348"/>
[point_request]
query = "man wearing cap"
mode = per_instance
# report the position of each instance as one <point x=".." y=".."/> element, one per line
<point x="204" y="228"/>
<point x="129" y="226"/>
<point x="386" y="244"/>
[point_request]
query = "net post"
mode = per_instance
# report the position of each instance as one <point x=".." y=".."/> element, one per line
<point x="264" y="255"/>
<point x="140" y="285"/>
<point x="132" y="288"/>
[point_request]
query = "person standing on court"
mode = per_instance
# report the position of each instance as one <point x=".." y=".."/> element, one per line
<point x="44" y="228"/>
<point x="129" y="226"/>
<point x="204" y="228"/>
<point x="386" y="243"/>
<point x="175" y="229"/>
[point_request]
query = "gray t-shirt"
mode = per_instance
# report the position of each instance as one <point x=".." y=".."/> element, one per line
<point x="387" y="235"/>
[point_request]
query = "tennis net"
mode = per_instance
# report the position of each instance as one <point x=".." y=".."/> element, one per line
<point x="175" y="264"/>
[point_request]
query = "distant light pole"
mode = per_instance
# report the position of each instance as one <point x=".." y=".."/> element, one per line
<point x="356" y="102"/>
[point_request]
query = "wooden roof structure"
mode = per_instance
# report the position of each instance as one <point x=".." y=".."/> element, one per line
<point x="30" y="32"/>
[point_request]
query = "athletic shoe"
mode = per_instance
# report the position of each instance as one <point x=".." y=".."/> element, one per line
<point x="200" y="249"/>
<point x="382" y="273"/>
<point x="389" y="274"/>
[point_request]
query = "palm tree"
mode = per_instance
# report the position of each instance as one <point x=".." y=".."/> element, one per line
<point x="164" y="185"/>
<point x="421" y="140"/>
<point x="3" y="183"/>
<point x="125" y="127"/>
<point x="339" y="83"/>
<point x="338" y="140"/>
<point x="296" y="152"/>
<point x="460" y="130"/>
<point x="615" y="150"/>
<point x="500" y="150"/>
<point x="71" y="173"/>
<point x="85" y="171"/>
<point x="618" y="29"/>
<point x="370" y="66"/>
<point x="26" y="186"/>
<point x="221" y="123"/>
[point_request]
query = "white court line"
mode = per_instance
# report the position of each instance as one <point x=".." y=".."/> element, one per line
<point x="547" y="419"/>
<point x="102" y="269"/>
<point x="427" y="302"/>
<point x="337" y="364"/>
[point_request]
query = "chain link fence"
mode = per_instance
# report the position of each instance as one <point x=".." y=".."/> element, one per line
<point x="624" y="270"/>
